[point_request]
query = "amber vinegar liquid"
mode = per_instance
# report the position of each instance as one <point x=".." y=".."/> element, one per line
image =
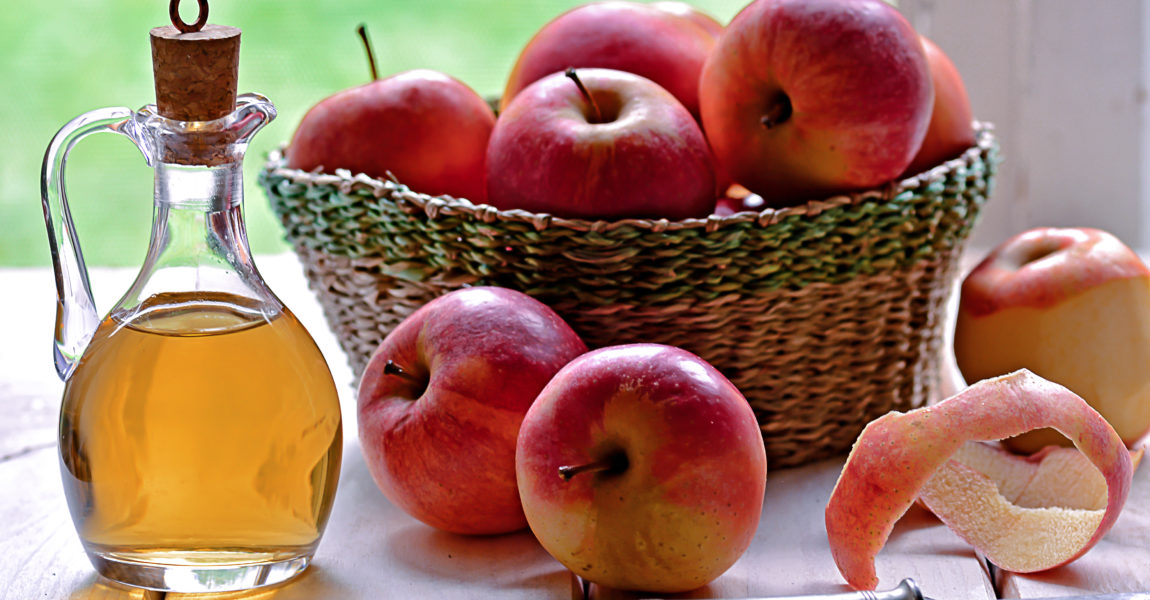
<point x="200" y="431"/>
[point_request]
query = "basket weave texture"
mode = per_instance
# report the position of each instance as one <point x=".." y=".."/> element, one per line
<point x="825" y="315"/>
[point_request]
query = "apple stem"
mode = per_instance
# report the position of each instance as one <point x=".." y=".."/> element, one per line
<point x="362" y="31"/>
<point x="778" y="113"/>
<point x="390" y="368"/>
<point x="612" y="464"/>
<point x="570" y="72"/>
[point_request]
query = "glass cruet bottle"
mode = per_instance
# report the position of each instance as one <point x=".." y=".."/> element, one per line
<point x="200" y="429"/>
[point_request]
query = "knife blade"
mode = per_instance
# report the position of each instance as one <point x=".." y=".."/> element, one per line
<point x="907" y="589"/>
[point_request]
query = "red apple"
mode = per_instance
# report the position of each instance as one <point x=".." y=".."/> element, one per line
<point x="442" y="398"/>
<point x="666" y="45"/>
<point x="626" y="150"/>
<point x="727" y="206"/>
<point x="803" y="99"/>
<point x="738" y="199"/>
<point x="426" y="128"/>
<point x="951" y="129"/>
<point x="690" y="13"/>
<point x="1073" y="306"/>
<point x="641" y="467"/>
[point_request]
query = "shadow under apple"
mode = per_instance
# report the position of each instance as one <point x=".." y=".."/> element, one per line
<point x="511" y="561"/>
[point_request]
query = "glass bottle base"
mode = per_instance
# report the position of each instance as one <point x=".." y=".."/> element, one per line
<point x="199" y="571"/>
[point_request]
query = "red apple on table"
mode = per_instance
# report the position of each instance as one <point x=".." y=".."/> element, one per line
<point x="426" y="128"/>
<point x="803" y="99"/>
<point x="599" y="144"/>
<point x="951" y="129"/>
<point x="1073" y="306"/>
<point x="667" y="45"/>
<point x="641" y="467"/>
<point x="442" y="398"/>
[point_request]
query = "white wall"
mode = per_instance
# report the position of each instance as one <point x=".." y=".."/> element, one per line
<point x="1065" y="83"/>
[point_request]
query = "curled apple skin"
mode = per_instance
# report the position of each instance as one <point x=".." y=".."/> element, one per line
<point x="898" y="454"/>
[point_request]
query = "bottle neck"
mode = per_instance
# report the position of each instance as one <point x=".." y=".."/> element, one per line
<point x="199" y="188"/>
<point x="199" y="242"/>
<point x="198" y="218"/>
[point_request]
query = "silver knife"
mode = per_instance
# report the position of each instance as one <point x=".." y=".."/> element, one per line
<point x="906" y="590"/>
<point x="909" y="590"/>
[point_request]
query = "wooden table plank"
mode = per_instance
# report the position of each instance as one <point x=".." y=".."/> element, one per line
<point x="29" y="388"/>
<point x="373" y="550"/>
<point x="790" y="554"/>
<point x="370" y="549"/>
<point x="40" y="555"/>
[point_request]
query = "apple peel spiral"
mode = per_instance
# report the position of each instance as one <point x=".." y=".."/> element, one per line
<point x="997" y="502"/>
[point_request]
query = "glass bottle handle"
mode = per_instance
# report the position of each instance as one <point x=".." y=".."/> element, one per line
<point x="76" y="316"/>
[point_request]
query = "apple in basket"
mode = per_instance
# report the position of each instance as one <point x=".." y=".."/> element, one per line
<point x="599" y="144"/>
<point x="690" y="13"/>
<point x="426" y="128"/>
<point x="442" y="398"/>
<point x="951" y="129"/>
<point x="802" y="99"/>
<point x="664" y="42"/>
<point x="738" y="199"/>
<point x="1072" y="305"/>
<point x="641" y="467"/>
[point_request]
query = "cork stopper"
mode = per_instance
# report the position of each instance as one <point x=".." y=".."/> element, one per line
<point x="196" y="67"/>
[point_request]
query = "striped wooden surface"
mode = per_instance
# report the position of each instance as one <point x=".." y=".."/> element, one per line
<point x="373" y="550"/>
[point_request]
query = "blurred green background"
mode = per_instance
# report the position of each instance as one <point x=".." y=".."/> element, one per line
<point x="60" y="59"/>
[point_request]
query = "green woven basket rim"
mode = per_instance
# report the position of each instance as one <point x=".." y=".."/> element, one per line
<point x="985" y="148"/>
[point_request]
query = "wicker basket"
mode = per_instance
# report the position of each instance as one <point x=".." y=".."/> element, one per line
<point x="825" y="315"/>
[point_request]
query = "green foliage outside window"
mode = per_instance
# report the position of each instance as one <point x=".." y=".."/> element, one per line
<point x="61" y="59"/>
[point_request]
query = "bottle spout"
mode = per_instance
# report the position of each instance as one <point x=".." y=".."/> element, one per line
<point x="253" y="112"/>
<point x="198" y="117"/>
<point x="200" y="143"/>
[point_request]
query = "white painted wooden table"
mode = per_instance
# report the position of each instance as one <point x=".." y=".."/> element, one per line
<point x="371" y="550"/>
